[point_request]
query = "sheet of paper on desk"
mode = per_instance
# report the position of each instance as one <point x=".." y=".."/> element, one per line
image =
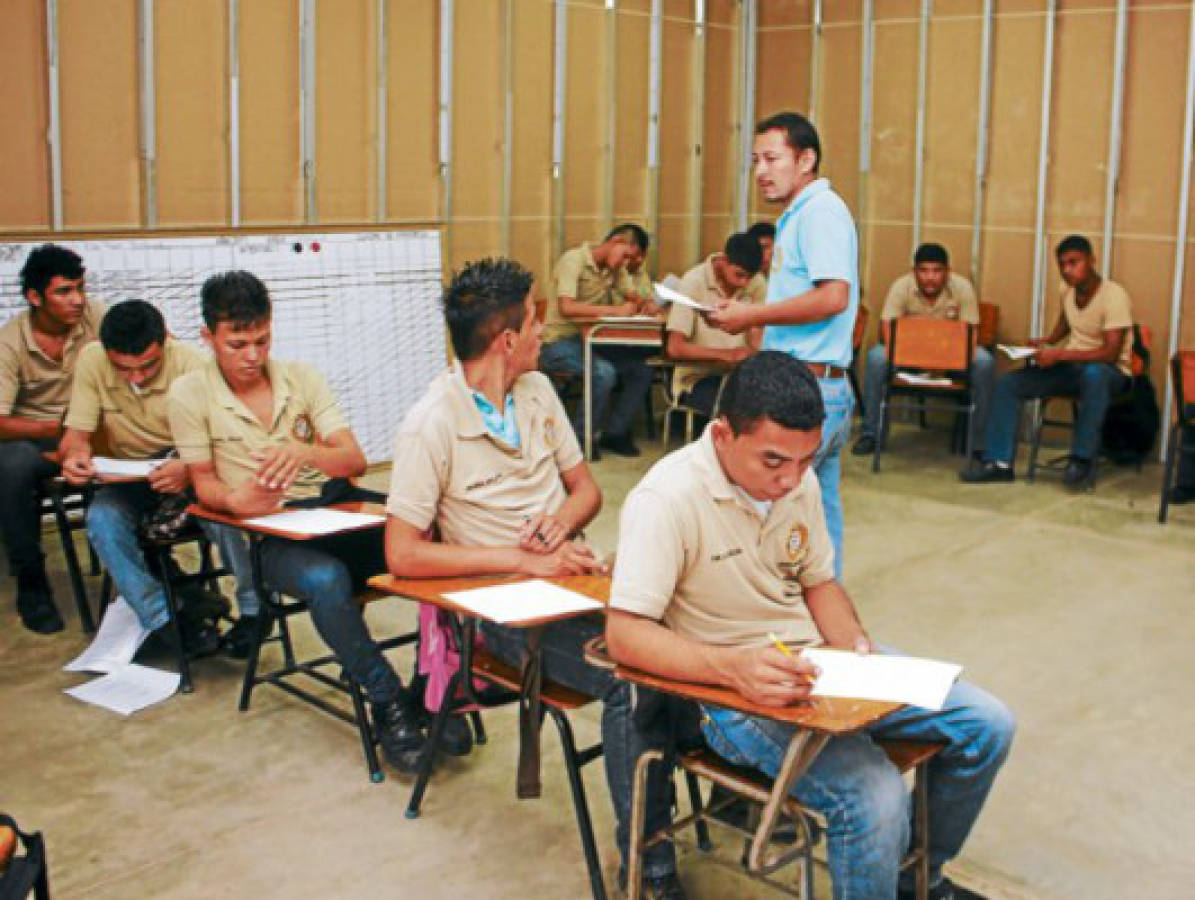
<point x="665" y="294"/>
<point x="1016" y="352"/>
<point x="316" y="521"/>
<point x="123" y="468"/>
<point x="128" y="689"/>
<point x="629" y="319"/>
<point x="879" y="676"/>
<point x="119" y="636"/>
<point x="923" y="380"/>
<point x="520" y="600"/>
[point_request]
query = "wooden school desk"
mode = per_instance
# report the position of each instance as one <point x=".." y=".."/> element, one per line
<point x="622" y="331"/>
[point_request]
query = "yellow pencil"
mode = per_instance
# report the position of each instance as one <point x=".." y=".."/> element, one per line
<point x="780" y="645"/>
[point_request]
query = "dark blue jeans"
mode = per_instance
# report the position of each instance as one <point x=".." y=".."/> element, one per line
<point x="22" y="469"/>
<point x="1186" y="461"/>
<point x="609" y="364"/>
<point x="561" y="649"/>
<point x="1092" y="383"/>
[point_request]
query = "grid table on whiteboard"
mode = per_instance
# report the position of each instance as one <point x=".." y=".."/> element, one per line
<point x="362" y="308"/>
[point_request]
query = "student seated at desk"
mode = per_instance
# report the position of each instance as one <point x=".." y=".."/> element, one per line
<point x="256" y="433"/>
<point x="488" y="458"/>
<point x="635" y="286"/>
<point x="38" y="350"/>
<point x="583" y="285"/>
<point x="765" y="233"/>
<point x="119" y="397"/>
<point x="723" y="543"/>
<point x="732" y="274"/>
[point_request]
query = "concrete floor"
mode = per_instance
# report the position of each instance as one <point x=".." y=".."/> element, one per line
<point x="1073" y="609"/>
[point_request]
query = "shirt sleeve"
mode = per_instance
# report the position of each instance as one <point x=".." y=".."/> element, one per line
<point x="567" y="276"/>
<point x="894" y="303"/>
<point x="10" y="378"/>
<point x="321" y="404"/>
<point x="565" y="450"/>
<point x="1119" y="312"/>
<point x="826" y="238"/>
<point x="84" y="411"/>
<point x="651" y="554"/>
<point x="186" y="408"/>
<point x="417" y="478"/>
<point x="967" y="302"/>
<point x="681" y="319"/>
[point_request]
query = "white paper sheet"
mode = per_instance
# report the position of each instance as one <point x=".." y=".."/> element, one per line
<point x="878" y="676"/>
<point x="124" y="468"/>
<point x="921" y="380"/>
<point x="316" y="521"/>
<point x="128" y="689"/>
<point x="117" y="641"/>
<point x="522" y="600"/>
<point x="1014" y="352"/>
<point x="665" y="294"/>
<point x="629" y="319"/>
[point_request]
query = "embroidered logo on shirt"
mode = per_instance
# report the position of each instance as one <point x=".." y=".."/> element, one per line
<point x="797" y="544"/>
<point x="303" y="430"/>
<point x="484" y="482"/>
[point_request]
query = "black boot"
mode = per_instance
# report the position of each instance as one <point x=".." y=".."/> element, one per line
<point x="35" y="601"/>
<point x="396" y="724"/>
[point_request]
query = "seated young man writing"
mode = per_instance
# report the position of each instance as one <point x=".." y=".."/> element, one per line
<point x="256" y="433"/>
<point x="724" y="543"/>
<point x="119" y="399"/>
<point x="488" y="457"/>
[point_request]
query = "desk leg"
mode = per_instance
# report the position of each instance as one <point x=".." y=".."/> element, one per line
<point x="801" y="752"/>
<point x="587" y="393"/>
<point x="638" y="821"/>
<point x="263" y="622"/>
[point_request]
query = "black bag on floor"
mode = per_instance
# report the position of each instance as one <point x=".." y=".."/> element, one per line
<point x="25" y="873"/>
<point x="1131" y="426"/>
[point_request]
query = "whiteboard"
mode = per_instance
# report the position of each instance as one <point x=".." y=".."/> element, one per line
<point x="363" y="308"/>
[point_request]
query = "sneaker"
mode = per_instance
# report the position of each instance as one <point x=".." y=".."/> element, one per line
<point x="865" y="446"/>
<point x="1181" y="494"/>
<point x="618" y="443"/>
<point x="988" y="473"/>
<point x="663" y="887"/>
<point x="943" y="890"/>
<point x="396" y="726"/>
<point x="238" y="640"/>
<point x="200" y="638"/>
<point x="35" y="601"/>
<point x="1078" y="473"/>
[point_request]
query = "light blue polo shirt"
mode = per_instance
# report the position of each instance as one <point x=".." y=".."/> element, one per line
<point x="815" y="241"/>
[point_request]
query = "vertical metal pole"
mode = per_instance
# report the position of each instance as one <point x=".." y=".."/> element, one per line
<point x="307" y="107"/>
<point x="815" y="61"/>
<point x="608" y="154"/>
<point x="867" y="66"/>
<point x="1037" y="315"/>
<point x="653" y="127"/>
<point x="747" y="35"/>
<point x="446" y="41"/>
<point x="982" y="141"/>
<point x="696" y="168"/>
<point x="508" y="120"/>
<point x="919" y="151"/>
<point x="1115" y="129"/>
<point x="381" y="90"/>
<point x="1180" y="235"/>
<point x="559" y="103"/>
<point x="55" y="135"/>
<point x="234" y="113"/>
<point x="148" y="111"/>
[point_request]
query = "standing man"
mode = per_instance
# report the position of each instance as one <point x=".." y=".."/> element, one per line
<point x="38" y="350"/>
<point x="931" y="290"/>
<point x="813" y="288"/>
<point x="1092" y="363"/>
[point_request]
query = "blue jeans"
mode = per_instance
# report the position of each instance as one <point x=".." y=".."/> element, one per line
<point x="836" y="432"/>
<point x="609" y="364"/>
<point x="561" y="652"/>
<point x="983" y="377"/>
<point x="1092" y="383"/>
<point x="861" y="794"/>
<point x="22" y="470"/>
<point x="234" y="552"/>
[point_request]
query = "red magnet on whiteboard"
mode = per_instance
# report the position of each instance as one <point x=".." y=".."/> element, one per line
<point x="315" y="246"/>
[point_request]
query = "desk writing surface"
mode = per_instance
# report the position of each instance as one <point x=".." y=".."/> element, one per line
<point x="623" y="329"/>
<point x="357" y="506"/>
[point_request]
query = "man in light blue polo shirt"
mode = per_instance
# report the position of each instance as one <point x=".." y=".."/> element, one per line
<point x="813" y="287"/>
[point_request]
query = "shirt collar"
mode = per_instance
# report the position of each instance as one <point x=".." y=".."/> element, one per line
<point x="807" y="193"/>
<point x="720" y="486"/>
<point x="280" y="386"/>
<point x="469" y="422"/>
<point x="31" y="342"/>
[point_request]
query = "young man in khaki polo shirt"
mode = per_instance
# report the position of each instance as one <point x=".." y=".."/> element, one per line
<point x="586" y="283"/>
<point x="724" y="543"/>
<point x="487" y="457"/>
<point x="765" y="233"/>
<point x="258" y="433"/>
<point x="729" y="275"/>
<point x="931" y="290"/>
<point x="1092" y="363"/>
<point x="38" y="349"/>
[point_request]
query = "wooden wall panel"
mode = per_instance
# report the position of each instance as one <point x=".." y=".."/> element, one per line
<point x="676" y="146"/>
<point x="631" y="90"/>
<point x="25" y="197"/>
<point x="718" y="141"/>
<point x="100" y="139"/>
<point x="191" y="62"/>
<point x="838" y="116"/>
<point x="531" y="190"/>
<point x="782" y="67"/>
<point x="585" y="125"/>
<point x="412" y="86"/>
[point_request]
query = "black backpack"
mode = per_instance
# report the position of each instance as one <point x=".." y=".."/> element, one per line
<point x="1132" y="422"/>
<point x="24" y="873"/>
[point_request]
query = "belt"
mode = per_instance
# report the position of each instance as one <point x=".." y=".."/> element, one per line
<point x="825" y="370"/>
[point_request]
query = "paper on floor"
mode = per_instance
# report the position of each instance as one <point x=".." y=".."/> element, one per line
<point x="316" y="521"/>
<point x="128" y="689"/>
<point x="879" y="676"/>
<point x="522" y="600"/>
<point x="106" y="466"/>
<point x="114" y="645"/>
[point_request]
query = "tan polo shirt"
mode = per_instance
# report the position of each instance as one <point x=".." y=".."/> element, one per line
<point x="628" y="283"/>
<point x="695" y="554"/>
<point x="209" y="422"/>
<point x="956" y="302"/>
<point x="134" y="422"/>
<point x="701" y="284"/>
<point x="576" y="275"/>
<point x="33" y="386"/>
<point x="450" y="470"/>
<point x="1108" y="310"/>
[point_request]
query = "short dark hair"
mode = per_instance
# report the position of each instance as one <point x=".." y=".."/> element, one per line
<point x="47" y="262"/>
<point x="1074" y="242"/>
<point x="761" y="230"/>
<point x="237" y="297"/>
<point x="931" y="253"/>
<point x="799" y="133"/>
<point x="744" y="251"/>
<point x="132" y="327"/>
<point x="772" y="385"/>
<point x="483" y="299"/>
<point x="631" y="232"/>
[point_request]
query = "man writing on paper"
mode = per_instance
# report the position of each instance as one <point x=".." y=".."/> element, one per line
<point x="583" y="285"/>
<point x="732" y="274"/>
<point x="487" y="457"/>
<point x="723" y="543"/>
<point x="38" y="349"/>
<point x="256" y="433"/>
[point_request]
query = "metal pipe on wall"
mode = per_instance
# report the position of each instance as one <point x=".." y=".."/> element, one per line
<point x="559" y="86"/>
<point x="867" y="68"/>
<point x="55" y="135"/>
<point x="1115" y="130"/>
<point x="307" y="108"/>
<point x="696" y="190"/>
<point x="381" y="92"/>
<point x="919" y="140"/>
<point x="234" y="113"/>
<point x="655" y="72"/>
<point x="147" y="110"/>
<point x="1037" y="313"/>
<point x="747" y="51"/>
<point x="982" y="139"/>
<point x="815" y="60"/>
<point x="445" y="109"/>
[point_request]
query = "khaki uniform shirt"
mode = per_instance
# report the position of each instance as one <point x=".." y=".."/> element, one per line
<point x="449" y="469"/>
<point x="33" y="386"/>
<point x="1108" y="310"/>
<point x="210" y="423"/>
<point x="134" y="422"/>
<point x="700" y="284"/>
<point x="637" y="283"/>
<point x="694" y="554"/>
<point x="956" y="302"/>
<point x="576" y="275"/>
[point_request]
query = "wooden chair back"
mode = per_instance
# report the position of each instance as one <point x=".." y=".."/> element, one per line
<point x="919" y="342"/>
<point x="989" y="322"/>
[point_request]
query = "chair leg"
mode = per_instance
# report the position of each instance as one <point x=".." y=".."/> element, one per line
<point x="365" y="731"/>
<point x="428" y="757"/>
<point x="479" y="735"/>
<point x="688" y="426"/>
<point x="921" y="830"/>
<point x="881" y="433"/>
<point x="701" y="827"/>
<point x="1039" y="415"/>
<point x="184" y="665"/>
<point x="638" y="822"/>
<point x="580" y="804"/>
<point x="1173" y="449"/>
<point x="666" y="428"/>
<point x="250" y="679"/>
<point x="288" y="647"/>
<point x="78" y="588"/>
